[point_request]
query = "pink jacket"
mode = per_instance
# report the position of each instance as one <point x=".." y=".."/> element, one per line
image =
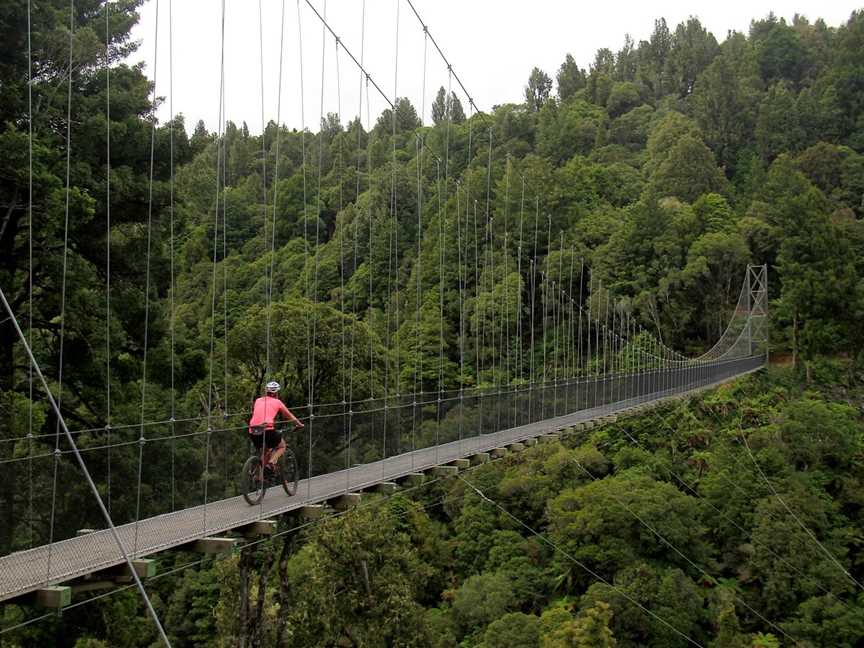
<point x="265" y="411"/>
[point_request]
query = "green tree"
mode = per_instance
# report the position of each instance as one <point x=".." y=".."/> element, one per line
<point x="725" y="102"/>
<point x="593" y="524"/>
<point x="632" y="128"/>
<point x="666" y="592"/>
<point x="665" y="135"/>
<point x="688" y="171"/>
<point x="623" y="96"/>
<point x="537" y="90"/>
<point x="359" y="580"/>
<point x="779" y="51"/>
<point x="457" y="113"/>
<point x="439" y="106"/>
<point x="693" y="49"/>
<point x="816" y="266"/>
<point x="845" y="78"/>
<point x="406" y="118"/>
<point x="729" y="633"/>
<point x="778" y="127"/>
<point x="482" y="599"/>
<point x="655" y="56"/>
<point x="824" y="620"/>
<point x="589" y="630"/>
<point x="513" y="630"/>
<point x="570" y="78"/>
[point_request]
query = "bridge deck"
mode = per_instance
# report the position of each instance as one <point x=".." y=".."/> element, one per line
<point x="26" y="571"/>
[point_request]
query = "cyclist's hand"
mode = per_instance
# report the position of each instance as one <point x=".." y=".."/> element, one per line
<point x="298" y="425"/>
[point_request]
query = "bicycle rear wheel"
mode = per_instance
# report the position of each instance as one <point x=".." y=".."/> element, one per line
<point x="288" y="472"/>
<point x="252" y="480"/>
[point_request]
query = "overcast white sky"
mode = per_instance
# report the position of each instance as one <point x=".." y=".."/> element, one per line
<point x="491" y="44"/>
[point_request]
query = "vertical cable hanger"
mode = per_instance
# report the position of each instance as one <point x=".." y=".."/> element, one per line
<point x="418" y="362"/>
<point x="310" y="353"/>
<point x="222" y="402"/>
<point x="108" y="251"/>
<point x="442" y="229"/>
<point x="505" y="323"/>
<point x="219" y="161"/>
<point x="173" y="287"/>
<point x="462" y="259"/>
<point x="341" y="242"/>
<point x="533" y="378"/>
<point x="519" y="347"/>
<point x="356" y="253"/>
<point x="30" y="270"/>
<point x="57" y="451"/>
<point x="569" y="370"/>
<point x="315" y="253"/>
<point x="395" y="215"/>
<point x="142" y="439"/>
<point x="580" y="368"/>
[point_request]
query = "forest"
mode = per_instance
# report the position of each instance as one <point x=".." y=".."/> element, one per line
<point x="172" y="274"/>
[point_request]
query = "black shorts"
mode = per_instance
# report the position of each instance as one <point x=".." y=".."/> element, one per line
<point x="271" y="437"/>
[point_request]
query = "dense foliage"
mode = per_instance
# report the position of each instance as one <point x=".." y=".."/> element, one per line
<point x="403" y="258"/>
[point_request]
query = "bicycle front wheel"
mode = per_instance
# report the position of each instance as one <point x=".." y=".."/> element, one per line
<point x="288" y="472"/>
<point x="253" y="481"/>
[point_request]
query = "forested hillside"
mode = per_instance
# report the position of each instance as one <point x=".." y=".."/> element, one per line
<point x="665" y="168"/>
<point x="377" y="256"/>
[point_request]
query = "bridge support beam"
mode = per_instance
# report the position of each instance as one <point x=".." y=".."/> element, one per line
<point x="497" y="453"/>
<point x="86" y="586"/>
<point x="258" y="528"/>
<point x="346" y="501"/>
<point x="530" y="442"/>
<point x="312" y="512"/>
<point x="461" y="464"/>
<point x="413" y="479"/>
<point x="516" y="447"/>
<point x="479" y="458"/>
<point x="386" y="488"/>
<point x="54" y="597"/>
<point x="444" y="471"/>
<point x="215" y="545"/>
<point x="549" y="438"/>
<point x="144" y="568"/>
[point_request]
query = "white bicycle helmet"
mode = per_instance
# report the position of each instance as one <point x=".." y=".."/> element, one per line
<point x="273" y="387"/>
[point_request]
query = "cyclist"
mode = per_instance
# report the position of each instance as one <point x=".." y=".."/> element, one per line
<point x="264" y="414"/>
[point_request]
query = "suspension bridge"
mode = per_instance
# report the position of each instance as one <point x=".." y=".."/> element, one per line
<point x="120" y="492"/>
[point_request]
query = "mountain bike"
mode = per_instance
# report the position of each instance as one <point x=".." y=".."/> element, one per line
<point x="258" y="474"/>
